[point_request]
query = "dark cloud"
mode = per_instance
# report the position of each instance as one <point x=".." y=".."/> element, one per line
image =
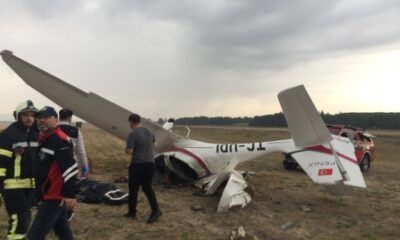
<point x="190" y="52"/>
<point x="47" y="9"/>
<point x="262" y="34"/>
<point x="257" y="34"/>
<point x="288" y="35"/>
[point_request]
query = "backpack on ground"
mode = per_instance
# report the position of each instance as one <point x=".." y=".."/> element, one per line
<point x="92" y="191"/>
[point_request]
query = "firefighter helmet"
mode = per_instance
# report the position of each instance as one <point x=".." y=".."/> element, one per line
<point x="26" y="106"/>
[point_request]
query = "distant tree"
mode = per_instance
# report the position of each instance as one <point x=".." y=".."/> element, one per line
<point x="363" y="120"/>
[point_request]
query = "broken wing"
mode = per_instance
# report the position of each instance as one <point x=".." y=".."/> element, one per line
<point x="234" y="193"/>
<point x="88" y="106"/>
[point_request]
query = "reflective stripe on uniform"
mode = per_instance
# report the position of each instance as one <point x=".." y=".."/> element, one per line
<point x="72" y="168"/>
<point x="48" y="151"/>
<point x="20" y="144"/>
<point x="16" y="237"/>
<point x="3" y="172"/>
<point x="17" y="166"/>
<point x="16" y="183"/>
<point x="25" y="144"/>
<point x="70" y="172"/>
<point x="70" y="175"/>
<point x="14" y="224"/>
<point x="6" y="153"/>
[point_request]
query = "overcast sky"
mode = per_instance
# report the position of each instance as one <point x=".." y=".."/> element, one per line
<point x="214" y="58"/>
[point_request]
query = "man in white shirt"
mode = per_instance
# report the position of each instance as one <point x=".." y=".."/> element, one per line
<point x="76" y="137"/>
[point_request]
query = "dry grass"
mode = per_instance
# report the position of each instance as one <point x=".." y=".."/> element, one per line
<point x="279" y="196"/>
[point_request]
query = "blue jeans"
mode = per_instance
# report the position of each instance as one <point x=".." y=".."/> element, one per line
<point x="50" y="215"/>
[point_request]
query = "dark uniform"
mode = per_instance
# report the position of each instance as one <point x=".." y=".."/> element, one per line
<point x="18" y="148"/>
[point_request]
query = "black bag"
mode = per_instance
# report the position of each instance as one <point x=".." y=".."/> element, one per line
<point x="97" y="192"/>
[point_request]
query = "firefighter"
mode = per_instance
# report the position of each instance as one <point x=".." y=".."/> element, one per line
<point x="18" y="150"/>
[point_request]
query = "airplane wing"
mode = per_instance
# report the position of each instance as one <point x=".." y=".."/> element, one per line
<point x="88" y="106"/>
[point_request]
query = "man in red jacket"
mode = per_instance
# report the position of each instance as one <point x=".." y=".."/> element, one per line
<point x="56" y="176"/>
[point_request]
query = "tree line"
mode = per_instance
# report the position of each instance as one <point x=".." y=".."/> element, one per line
<point x="375" y="120"/>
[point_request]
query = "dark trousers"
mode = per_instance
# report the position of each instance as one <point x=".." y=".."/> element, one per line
<point x="141" y="175"/>
<point x="50" y="215"/>
<point x="18" y="203"/>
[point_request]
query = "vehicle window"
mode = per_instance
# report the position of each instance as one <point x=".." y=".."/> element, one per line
<point x="366" y="139"/>
<point x="359" y="136"/>
<point x="334" y="131"/>
<point x="351" y="136"/>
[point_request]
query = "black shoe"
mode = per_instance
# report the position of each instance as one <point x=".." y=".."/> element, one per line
<point x="130" y="215"/>
<point x="154" y="217"/>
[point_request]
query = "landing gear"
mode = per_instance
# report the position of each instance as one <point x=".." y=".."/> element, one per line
<point x="289" y="163"/>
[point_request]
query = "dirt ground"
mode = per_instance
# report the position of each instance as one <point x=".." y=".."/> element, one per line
<point x="280" y="198"/>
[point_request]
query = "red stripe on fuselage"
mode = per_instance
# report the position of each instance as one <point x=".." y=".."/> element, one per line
<point x="195" y="157"/>
<point x="322" y="149"/>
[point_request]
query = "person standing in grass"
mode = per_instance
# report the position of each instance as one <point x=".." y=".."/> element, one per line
<point x="140" y="145"/>
<point x="18" y="148"/>
<point x="56" y="177"/>
<point x="78" y="146"/>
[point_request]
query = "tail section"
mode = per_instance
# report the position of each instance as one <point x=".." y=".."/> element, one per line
<point x="347" y="162"/>
<point x="305" y="123"/>
<point x="327" y="159"/>
<point x="319" y="164"/>
<point x="331" y="163"/>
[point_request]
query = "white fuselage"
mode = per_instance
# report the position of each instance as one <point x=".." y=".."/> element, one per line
<point x="210" y="158"/>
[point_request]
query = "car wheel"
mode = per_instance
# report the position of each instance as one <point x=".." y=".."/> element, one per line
<point x="365" y="163"/>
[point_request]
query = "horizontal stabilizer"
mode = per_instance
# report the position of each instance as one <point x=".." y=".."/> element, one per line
<point x="331" y="164"/>
<point x="305" y="123"/>
<point x="319" y="164"/>
<point x="344" y="153"/>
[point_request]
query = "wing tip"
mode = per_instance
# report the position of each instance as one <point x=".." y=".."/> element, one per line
<point x="294" y="88"/>
<point x="6" y="52"/>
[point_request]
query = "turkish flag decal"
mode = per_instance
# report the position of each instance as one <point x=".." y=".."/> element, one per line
<point x="325" y="172"/>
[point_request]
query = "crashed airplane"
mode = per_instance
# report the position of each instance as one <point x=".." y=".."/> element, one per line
<point x="327" y="159"/>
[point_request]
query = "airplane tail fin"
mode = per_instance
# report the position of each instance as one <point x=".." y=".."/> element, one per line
<point x="305" y="123"/>
<point x="327" y="159"/>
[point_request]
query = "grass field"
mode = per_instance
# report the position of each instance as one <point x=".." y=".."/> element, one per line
<point x="279" y="198"/>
